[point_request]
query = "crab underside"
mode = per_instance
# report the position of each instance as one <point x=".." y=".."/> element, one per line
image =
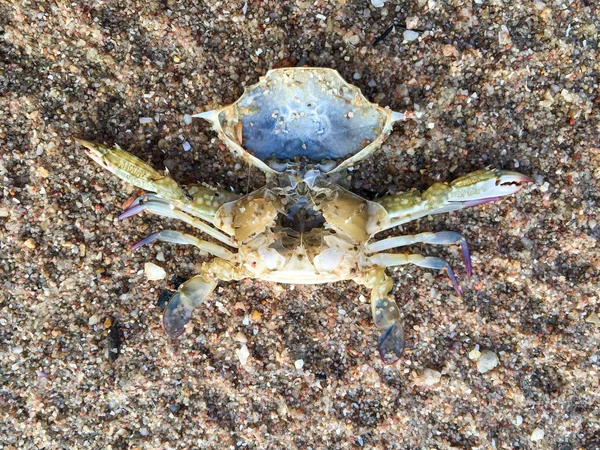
<point x="301" y="126"/>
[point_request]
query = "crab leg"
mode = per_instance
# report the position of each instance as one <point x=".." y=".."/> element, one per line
<point x="473" y="189"/>
<point x="428" y="262"/>
<point x="175" y="237"/>
<point x="193" y="293"/>
<point x="386" y="314"/>
<point x="163" y="208"/>
<point x="169" y="195"/>
<point x="441" y="238"/>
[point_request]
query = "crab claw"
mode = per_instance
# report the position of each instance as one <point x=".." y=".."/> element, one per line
<point x="485" y="186"/>
<point x="190" y="294"/>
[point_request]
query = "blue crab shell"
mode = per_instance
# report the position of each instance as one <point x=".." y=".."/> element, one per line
<point x="309" y="113"/>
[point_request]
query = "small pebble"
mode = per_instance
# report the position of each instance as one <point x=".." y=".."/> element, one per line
<point x="145" y="120"/>
<point x="537" y="435"/>
<point x="187" y="119"/>
<point x="412" y="22"/>
<point x="410" y="35"/>
<point x="519" y="421"/>
<point x="474" y="354"/>
<point x="43" y="172"/>
<point x="186" y="146"/>
<point x="144" y="431"/>
<point x="29" y="243"/>
<point x="487" y="361"/>
<point x="431" y="377"/>
<point x="154" y="272"/>
<point x="299" y="364"/>
<point x="593" y="318"/>
<point x="243" y="353"/>
<point x="241" y="337"/>
<point x="93" y="320"/>
<point x="378" y="3"/>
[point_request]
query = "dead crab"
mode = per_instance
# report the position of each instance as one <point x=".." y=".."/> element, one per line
<point x="301" y="126"/>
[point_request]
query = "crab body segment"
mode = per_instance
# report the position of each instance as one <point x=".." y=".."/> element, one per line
<point x="301" y="126"/>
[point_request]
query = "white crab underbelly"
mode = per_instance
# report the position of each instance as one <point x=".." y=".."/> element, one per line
<point x="297" y="267"/>
<point x="302" y="277"/>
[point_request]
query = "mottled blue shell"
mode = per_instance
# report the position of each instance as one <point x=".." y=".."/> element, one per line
<point x="310" y="113"/>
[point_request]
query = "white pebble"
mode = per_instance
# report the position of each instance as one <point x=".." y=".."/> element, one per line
<point x="504" y="36"/>
<point x="412" y="22"/>
<point x="342" y="312"/>
<point x="144" y="120"/>
<point x="378" y="3"/>
<point x="154" y="272"/>
<point x="519" y="421"/>
<point x="321" y="17"/>
<point x="299" y="364"/>
<point x="487" y="361"/>
<point x="93" y="320"/>
<point x="357" y="75"/>
<point x="410" y="35"/>
<point x="186" y="146"/>
<point x="160" y="256"/>
<point x="537" y="435"/>
<point x="431" y="377"/>
<point x="144" y="431"/>
<point x="474" y="354"/>
<point x="243" y="355"/>
<point x="187" y="119"/>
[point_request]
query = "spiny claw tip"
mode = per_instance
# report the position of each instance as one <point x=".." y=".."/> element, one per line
<point x="507" y="177"/>
<point x="131" y="211"/>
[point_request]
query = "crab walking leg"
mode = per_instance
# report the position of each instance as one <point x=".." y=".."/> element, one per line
<point x="193" y="293"/>
<point x="473" y="189"/>
<point x="175" y="237"/>
<point x="440" y="238"/>
<point x="386" y="314"/>
<point x="428" y="262"/>
<point x="165" y="209"/>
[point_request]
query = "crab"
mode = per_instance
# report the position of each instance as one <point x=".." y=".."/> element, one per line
<point x="302" y="127"/>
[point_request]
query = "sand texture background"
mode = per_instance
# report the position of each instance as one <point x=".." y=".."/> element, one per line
<point x="512" y="85"/>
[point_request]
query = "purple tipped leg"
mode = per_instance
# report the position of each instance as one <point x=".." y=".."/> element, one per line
<point x="135" y="209"/>
<point x="147" y="240"/>
<point x="433" y="262"/>
<point x="466" y="256"/>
